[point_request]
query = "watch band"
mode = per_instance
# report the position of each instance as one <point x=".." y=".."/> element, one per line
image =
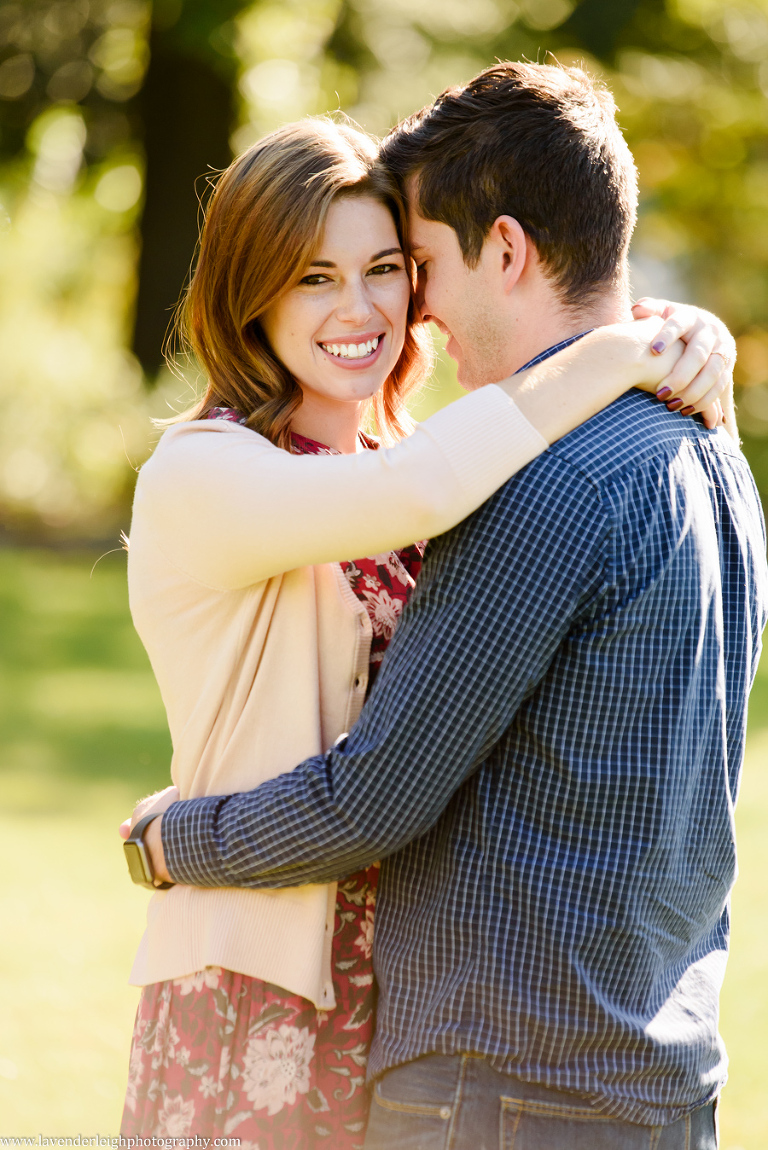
<point x="138" y="859"/>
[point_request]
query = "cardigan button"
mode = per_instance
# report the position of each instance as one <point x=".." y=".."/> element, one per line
<point x="445" y="1112"/>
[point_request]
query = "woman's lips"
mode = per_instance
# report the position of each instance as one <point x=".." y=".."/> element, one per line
<point x="354" y="363"/>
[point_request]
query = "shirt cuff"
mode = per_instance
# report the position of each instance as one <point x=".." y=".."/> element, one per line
<point x="188" y="833"/>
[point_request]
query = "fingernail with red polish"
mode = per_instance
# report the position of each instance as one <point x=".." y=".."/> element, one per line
<point x="674" y="404"/>
<point x="689" y="410"/>
<point x="658" y="346"/>
<point x="663" y="393"/>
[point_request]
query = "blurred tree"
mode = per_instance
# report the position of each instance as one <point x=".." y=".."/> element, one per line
<point x="599" y="24"/>
<point x="160" y="75"/>
<point x="187" y="115"/>
<point x="112" y="112"/>
<point x="86" y="53"/>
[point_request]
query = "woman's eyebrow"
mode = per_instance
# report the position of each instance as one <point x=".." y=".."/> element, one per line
<point x="378" y="256"/>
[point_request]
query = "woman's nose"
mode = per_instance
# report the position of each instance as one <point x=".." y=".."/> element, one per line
<point x="355" y="305"/>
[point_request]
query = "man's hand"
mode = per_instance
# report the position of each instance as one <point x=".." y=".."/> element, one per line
<point x="152" y="840"/>
<point x="160" y="801"/>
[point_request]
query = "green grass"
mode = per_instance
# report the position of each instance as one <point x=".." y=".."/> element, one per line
<point x="82" y="734"/>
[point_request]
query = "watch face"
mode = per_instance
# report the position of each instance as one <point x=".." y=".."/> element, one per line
<point x="135" y="856"/>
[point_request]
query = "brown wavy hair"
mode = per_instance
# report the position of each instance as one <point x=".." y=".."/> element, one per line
<point x="263" y="224"/>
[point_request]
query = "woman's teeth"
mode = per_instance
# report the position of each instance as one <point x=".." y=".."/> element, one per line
<point x="352" y="350"/>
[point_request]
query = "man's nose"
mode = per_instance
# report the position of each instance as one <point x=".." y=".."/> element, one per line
<point x="419" y="298"/>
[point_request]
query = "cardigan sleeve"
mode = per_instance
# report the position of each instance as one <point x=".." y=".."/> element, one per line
<point x="230" y="509"/>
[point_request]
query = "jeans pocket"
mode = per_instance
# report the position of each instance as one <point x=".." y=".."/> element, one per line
<point x="398" y="1123"/>
<point x="412" y="1105"/>
<point x="532" y="1124"/>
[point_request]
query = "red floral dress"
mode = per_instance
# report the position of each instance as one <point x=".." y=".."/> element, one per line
<point x="219" y="1053"/>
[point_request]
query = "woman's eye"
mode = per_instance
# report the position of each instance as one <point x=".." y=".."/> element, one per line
<point x="317" y="278"/>
<point x="383" y="269"/>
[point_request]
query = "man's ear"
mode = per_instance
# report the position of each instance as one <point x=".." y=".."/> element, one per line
<point x="509" y="245"/>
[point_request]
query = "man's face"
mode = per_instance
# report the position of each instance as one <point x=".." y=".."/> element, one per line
<point x="465" y="303"/>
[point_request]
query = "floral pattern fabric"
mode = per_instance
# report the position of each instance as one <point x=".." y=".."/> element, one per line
<point x="383" y="583"/>
<point x="220" y="1053"/>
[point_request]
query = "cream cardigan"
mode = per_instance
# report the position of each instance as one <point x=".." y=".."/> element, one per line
<point x="261" y="648"/>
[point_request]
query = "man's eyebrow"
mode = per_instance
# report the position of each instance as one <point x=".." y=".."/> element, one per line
<point x="378" y="256"/>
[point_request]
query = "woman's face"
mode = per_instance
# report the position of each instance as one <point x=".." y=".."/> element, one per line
<point x="340" y="330"/>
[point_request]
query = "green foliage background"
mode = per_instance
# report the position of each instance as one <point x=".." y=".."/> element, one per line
<point x="690" y="78"/>
<point x="82" y="731"/>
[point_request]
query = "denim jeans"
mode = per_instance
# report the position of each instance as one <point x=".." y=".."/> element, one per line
<point x="461" y="1103"/>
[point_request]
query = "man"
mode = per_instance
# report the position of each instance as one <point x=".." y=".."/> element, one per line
<point x="549" y="760"/>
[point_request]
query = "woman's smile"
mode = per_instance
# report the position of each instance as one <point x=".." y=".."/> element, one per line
<point x="355" y="352"/>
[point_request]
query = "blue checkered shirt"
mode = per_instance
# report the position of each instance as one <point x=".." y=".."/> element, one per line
<point x="548" y="765"/>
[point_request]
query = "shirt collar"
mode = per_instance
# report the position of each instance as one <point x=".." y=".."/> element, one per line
<point x="552" y="350"/>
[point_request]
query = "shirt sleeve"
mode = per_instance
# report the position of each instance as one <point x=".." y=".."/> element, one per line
<point x="229" y="509"/>
<point x="495" y="598"/>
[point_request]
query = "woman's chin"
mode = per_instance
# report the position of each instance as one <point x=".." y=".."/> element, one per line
<point x="358" y="389"/>
<point x="341" y="384"/>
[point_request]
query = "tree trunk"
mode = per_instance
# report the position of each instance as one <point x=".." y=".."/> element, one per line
<point x="187" y="113"/>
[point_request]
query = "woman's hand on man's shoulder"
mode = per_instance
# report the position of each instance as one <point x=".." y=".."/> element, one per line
<point x="702" y="378"/>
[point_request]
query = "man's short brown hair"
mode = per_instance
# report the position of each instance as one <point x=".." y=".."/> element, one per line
<point x="537" y="142"/>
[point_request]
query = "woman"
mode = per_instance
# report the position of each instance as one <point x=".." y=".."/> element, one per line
<point x="256" y="1013"/>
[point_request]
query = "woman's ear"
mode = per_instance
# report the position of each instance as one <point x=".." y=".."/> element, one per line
<point x="510" y="245"/>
